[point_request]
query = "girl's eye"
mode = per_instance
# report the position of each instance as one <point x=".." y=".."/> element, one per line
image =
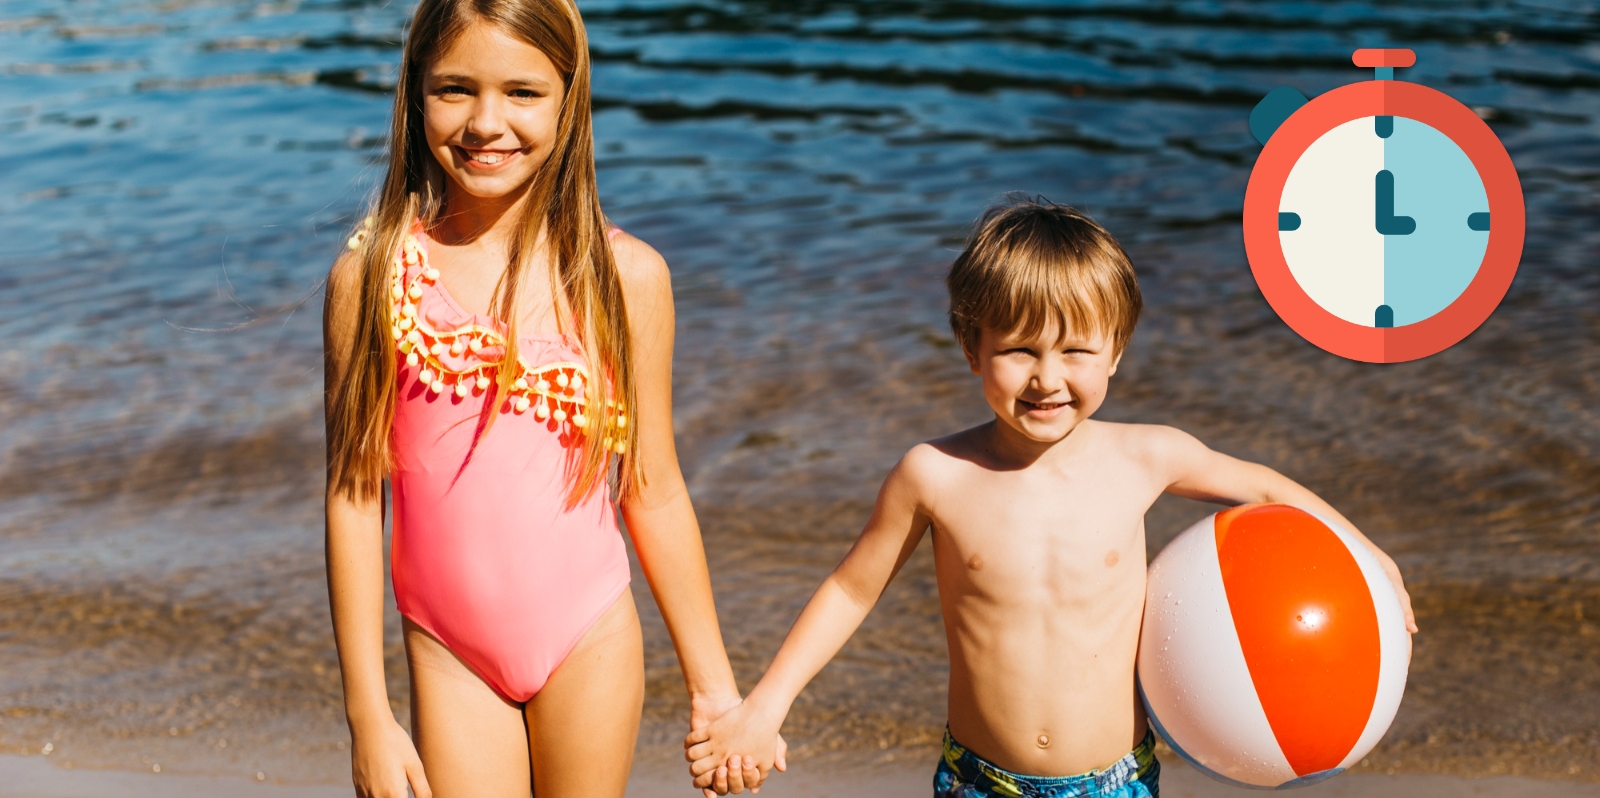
<point x="452" y="90"/>
<point x="525" y="94"/>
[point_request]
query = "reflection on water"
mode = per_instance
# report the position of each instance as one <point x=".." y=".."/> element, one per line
<point x="179" y="175"/>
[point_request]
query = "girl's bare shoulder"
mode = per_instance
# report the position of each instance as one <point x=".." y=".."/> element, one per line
<point x="344" y="277"/>
<point x="343" y="291"/>
<point x="639" y="264"/>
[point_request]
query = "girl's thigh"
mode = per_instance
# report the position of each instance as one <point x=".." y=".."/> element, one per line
<point x="472" y="741"/>
<point x="583" y="724"/>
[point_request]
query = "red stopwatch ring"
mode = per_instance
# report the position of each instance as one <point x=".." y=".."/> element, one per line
<point x="1506" y="213"/>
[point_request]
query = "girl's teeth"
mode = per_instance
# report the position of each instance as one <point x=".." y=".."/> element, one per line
<point x="487" y="157"/>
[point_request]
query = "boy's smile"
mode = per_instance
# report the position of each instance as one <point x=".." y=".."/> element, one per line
<point x="1043" y="385"/>
<point x="1043" y="409"/>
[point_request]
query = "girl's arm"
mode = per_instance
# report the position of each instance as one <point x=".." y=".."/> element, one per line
<point x="834" y="613"/>
<point x="658" y="515"/>
<point x="383" y="759"/>
<point x="1197" y="472"/>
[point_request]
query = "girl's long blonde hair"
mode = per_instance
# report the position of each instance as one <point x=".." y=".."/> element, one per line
<point x="562" y="200"/>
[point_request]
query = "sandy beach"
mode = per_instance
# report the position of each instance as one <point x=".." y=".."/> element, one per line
<point x="37" y="777"/>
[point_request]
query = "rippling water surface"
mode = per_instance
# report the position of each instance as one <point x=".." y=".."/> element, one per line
<point x="178" y="175"/>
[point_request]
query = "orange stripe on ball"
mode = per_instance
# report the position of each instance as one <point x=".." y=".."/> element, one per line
<point x="1307" y="626"/>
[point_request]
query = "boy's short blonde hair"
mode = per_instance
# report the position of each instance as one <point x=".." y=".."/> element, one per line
<point x="1030" y="262"/>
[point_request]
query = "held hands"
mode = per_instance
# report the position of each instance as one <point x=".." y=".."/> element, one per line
<point x="711" y="749"/>
<point x="385" y="762"/>
<point x="703" y="709"/>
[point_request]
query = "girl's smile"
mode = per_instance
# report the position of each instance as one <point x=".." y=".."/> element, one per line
<point x="487" y="160"/>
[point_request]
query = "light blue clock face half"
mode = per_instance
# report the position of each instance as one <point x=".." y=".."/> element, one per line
<point x="1383" y="221"/>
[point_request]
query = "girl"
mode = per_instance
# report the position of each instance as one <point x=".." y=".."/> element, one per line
<point x="493" y="349"/>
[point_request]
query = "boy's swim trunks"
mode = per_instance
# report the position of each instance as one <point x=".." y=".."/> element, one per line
<point x="963" y="774"/>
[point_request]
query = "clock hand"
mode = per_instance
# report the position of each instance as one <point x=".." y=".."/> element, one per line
<point x="1387" y="223"/>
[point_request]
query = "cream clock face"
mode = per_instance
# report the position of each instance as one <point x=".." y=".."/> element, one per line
<point x="1384" y="221"/>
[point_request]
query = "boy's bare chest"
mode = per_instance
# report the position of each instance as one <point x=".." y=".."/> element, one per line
<point x="1042" y="539"/>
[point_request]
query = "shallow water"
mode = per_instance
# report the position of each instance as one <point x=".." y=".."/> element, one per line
<point x="179" y="174"/>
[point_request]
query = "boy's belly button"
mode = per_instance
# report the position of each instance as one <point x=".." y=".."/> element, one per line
<point x="1044" y="741"/>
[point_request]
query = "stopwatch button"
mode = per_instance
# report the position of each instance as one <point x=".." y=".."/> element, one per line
<point x="1277" y="106"/>
<point x="1373" y="58"/>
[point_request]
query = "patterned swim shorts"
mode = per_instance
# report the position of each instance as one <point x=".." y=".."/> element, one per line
<point x="963" y="774"/>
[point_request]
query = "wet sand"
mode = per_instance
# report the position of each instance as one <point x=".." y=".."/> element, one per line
<point x="36" y="777"/>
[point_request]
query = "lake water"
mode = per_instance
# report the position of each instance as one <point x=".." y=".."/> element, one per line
<point x="177" y="176"/>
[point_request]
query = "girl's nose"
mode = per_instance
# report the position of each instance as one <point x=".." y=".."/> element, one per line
<point x="487" y="121"/>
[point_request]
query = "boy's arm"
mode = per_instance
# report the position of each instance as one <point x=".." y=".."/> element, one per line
<point x="835" y="611"/>
<point x="1195" y="471"/>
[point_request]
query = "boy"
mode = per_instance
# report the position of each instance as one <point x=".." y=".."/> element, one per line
<point x="1038" y="531"/>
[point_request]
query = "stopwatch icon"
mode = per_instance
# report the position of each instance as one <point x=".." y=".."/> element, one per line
<point x="1383" y="220"/>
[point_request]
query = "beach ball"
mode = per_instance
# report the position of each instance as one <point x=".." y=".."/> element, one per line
<point x="1274" y="648"/>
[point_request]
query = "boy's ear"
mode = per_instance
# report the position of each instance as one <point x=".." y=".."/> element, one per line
<point x="971" y="356"/>
<point x="1114" y="361"/>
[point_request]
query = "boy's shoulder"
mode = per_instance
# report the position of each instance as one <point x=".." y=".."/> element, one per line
<point x="970" y="445"/>
<point x="936" y="462"/>
<point x="927" y="461"/>
<point x="1136" y="437"/>
<point x="1147" y="444"/>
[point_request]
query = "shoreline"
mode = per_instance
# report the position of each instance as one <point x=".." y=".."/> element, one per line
<point x="39" y="777"/>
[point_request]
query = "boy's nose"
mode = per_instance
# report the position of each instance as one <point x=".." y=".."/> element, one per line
<point x="1050" y="377"/>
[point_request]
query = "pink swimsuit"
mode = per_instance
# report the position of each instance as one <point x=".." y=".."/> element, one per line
<point x="487" y="556"/>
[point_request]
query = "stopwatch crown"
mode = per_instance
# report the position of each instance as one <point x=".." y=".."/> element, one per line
<point x="1373" y="58"/>
<point x="1383" y="62"/>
